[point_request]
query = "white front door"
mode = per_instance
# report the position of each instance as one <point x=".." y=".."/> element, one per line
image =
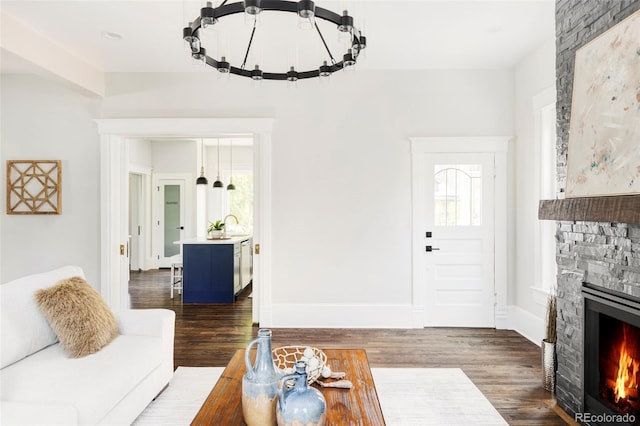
<point x="456" y="193"/>
<point x="168" y="219"/>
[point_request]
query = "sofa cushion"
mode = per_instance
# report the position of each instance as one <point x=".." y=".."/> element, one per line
<point x="37" y="414"/>
<point x="23" y="328"/>
<point x="94" y="384"/>
<point x="76" y="312"/>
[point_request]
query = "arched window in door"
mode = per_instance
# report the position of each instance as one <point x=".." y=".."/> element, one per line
<point x="458" y="195"/>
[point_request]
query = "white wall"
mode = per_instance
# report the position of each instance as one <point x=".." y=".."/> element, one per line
<point x="174" y="156"/>
<point x="140" y="153"/>
<point x="533" y="74"/>
<point x="43" y="120"/>
<point x="242" y="160"/>
<point x="341" y="168"/>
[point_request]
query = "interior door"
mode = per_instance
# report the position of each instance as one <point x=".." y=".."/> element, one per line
<point x="169" y="219"/>
<point x="458" y="197"/>
<point x="135" y="222"/>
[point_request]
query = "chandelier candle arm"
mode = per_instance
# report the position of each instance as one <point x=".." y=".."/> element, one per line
<point x="252" y="7"/>
<point x="346" y="23"/>
<point x="208" y="15"/>
<point x="304" y="8"/>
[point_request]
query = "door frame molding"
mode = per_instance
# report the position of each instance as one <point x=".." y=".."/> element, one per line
<point x="499" y="146"/>
<point x="114" y="181"/>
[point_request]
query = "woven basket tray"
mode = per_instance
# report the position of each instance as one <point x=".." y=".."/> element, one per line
<point x="285" y="359"/>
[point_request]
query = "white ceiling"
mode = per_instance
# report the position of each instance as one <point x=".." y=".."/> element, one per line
<point x="401" y="34"/>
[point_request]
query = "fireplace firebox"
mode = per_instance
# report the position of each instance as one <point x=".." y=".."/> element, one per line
<point x="611" y="373"/>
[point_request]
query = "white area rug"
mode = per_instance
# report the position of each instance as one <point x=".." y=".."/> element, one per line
<point x="432" y="396"/>
<point x="408" y="396"/>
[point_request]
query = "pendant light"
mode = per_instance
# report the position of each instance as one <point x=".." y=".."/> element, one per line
<point x="231" y="186"/>
<point x="202" y="180"/>
<point x="218" y="183"/>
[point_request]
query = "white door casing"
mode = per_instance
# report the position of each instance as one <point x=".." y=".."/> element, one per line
<point x="114" y="194"/>
<point x="114" y="211"/>
<point x="425" y="265"/>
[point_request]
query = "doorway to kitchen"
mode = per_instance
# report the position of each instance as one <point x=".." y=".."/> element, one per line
<point x="459" y="231"/>
<point x="183" y="207"/>
<point x="115" y="134"/>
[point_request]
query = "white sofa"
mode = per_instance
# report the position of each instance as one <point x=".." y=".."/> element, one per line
<point x="41" y="385"/>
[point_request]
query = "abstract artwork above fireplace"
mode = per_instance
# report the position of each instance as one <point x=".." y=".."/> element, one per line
<point x="603" y="155"/>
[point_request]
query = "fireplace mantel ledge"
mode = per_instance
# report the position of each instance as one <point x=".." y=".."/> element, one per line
<point x="614" y="209"/>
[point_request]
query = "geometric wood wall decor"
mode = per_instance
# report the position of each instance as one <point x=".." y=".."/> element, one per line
<point x="34" y="187"/>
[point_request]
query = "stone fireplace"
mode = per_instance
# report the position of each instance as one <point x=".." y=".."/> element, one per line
<point x="607" y="256"/>
<point x="604" y="254"/>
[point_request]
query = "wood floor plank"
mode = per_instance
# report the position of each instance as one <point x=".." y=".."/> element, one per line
<point x="501" y="363"/>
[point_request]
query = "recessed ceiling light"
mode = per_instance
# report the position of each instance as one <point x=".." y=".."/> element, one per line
<point x="111" y="35"/>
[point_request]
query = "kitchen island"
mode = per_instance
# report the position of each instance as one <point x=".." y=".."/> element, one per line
<point x="215" y="271"/>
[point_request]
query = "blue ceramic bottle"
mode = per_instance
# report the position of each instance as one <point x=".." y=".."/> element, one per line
<point x="260" y="383"/>
<point x="300" y="404"/>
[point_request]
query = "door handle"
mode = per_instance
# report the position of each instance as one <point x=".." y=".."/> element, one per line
<point x="429" y="248"/>
<point x="180" y="228"/>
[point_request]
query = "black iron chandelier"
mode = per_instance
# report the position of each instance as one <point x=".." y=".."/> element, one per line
<point x="305" y="9"/>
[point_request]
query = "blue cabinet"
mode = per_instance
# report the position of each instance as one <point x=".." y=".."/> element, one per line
<point x="210" y="272"/>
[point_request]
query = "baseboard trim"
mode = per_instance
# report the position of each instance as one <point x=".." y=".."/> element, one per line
<point x="502" y="319"/>
<point x="526" y="324"/>
<point x="341" y="316"/>
<point x="315" y="315"/>
<point x="418" y="316"/>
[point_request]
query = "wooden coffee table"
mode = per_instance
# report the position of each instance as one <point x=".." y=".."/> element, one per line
<point x="357" y="406"/>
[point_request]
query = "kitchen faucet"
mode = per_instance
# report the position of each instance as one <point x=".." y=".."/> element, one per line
<point x="225" y="222"/>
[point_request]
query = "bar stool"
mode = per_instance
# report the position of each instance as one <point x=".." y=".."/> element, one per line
<point x="176" y="274"/>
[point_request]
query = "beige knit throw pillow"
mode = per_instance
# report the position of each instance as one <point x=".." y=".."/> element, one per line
<point x="78" y="315"/>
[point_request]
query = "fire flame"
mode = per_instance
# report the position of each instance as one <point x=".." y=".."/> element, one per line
<point x="627" y="371"/>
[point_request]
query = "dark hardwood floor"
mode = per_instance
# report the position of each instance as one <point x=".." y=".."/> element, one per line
<point x="502" y="364"/>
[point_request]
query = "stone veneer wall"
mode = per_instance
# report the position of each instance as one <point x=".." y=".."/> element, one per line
<point x="604" y="254"/>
